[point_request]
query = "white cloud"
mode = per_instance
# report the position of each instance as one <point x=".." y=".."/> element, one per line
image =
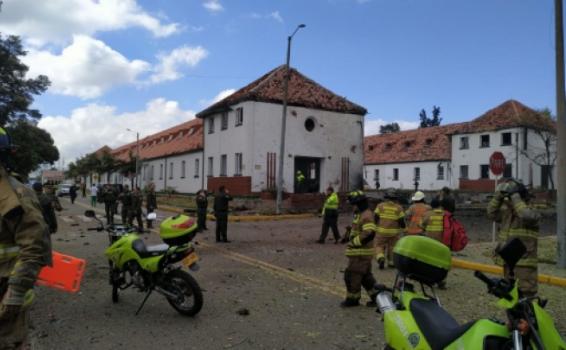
<point x="220" y="96"/>
<point x="86" y="68"/>
<point x="55" y="21"/>
<point x="213" y="5"/>
<point x="371" y="126"/>
<point x="275" y="15"/>
<point x="170" y="64"/>
<point x="95" y="125"/>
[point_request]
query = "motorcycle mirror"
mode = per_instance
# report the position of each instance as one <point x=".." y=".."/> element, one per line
<point x="90" y="213"/>
<point x="151" y="216"/>
<point x="512" y="252"/>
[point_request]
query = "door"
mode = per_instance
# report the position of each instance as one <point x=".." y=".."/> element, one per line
<point x="544" y="175"/>
<point x="310" y="169"/>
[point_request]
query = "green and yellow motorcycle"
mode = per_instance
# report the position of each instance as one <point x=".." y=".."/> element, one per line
<point x="156" y="268"/>
<point x="416" y="320"/>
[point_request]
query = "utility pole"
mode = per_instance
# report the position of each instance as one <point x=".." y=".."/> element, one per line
<point x="561" y="139"/>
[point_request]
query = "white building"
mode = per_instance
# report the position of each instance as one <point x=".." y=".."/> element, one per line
<point x="242" y="135"/>
<point x="457" y="155"/>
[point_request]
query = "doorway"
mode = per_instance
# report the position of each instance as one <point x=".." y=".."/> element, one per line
<point x="310" y="169"/>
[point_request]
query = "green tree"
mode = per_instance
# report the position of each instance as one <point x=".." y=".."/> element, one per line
<point x="433" y="121"/>
<point x="16" y="90"/>
<point x="389" y="128"/>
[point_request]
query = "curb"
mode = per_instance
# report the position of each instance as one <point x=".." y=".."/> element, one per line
<point x="243" y="218"/>
<point x="469" y="265"/>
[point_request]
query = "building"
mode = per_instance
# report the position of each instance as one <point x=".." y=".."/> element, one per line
<point x="242" y="135"/>
<point x="457" y="155"/>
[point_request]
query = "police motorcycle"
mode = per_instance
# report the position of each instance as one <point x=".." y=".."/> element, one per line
<point x="414" y="319"/>
<point x="158" y="268"/>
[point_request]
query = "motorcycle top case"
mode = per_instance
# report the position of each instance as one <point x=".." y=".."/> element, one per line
<point x="177" y="230"/>
<point x="422" y="259"/>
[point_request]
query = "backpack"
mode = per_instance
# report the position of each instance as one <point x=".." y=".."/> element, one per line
<point x="454" y="235"/>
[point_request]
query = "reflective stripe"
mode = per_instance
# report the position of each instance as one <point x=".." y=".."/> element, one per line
<point x="357" y="295"/>
<point x="369" y="227"/>
<point x="360" y="251"/>
<point x="521" y="232"/>
<point x="388" y="231"/>
<point x="9" y="251"/>
<point x="356" y="241"/>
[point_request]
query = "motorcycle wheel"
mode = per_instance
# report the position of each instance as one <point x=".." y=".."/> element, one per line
<point x="114" y="275"/>
<point x="189" y="300"/>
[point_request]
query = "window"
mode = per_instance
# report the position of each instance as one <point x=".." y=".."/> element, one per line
<point x="508" y="171"/>
<point x="428" y="142"/>
<point x="484" y="171"/>
<point x="417" y="174"/>
<point x="484" y="141"/>
<point x="210" y="166"/>
<point x="395" y="174"/>
<point x="144" y="171"/>
<point x="506" y="139"/>
<point x="170" y="170"/>
<point x="376" y="175"/>
<point x="464" y="142"/>
<point x="152" y="172"/>
<point x="440" y="172"/>
<point x="183" y="165"/>
<point x="197" y="161"/>
<point x="309" y="124"/>
<point x="211" y="125"/>
<point x="224" y="121"/>
<point x="463" y="171"/>
<point x="160" y="171"/>
<point x="239" y="116"/>
<point x="223" y="164"/>
<point x="238" y="164"/>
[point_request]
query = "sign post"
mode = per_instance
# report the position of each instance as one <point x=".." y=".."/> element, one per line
<point x="497" y="166"/>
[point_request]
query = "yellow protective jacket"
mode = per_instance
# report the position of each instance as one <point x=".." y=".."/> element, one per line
<point x="362" y="235"/>
<point x="433" y="223"/>
<point x="332" y="202"/>
<point x="516" y="219"/>
<point x="390" y="219"/>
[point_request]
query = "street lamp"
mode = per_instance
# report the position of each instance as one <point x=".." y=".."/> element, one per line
<point x="137" y="153"/>
<point x="284" y="121"/>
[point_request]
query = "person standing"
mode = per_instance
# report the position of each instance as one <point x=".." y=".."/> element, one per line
<point x="93" y="195"/>
<point x="447" y="200"/>
<point x="300" y="179"/>
<point x="360" y="252"/>
<point x="73" y="193"/>
<point x="83" y="189"/>
<point x="150" y="202"/>
<point x="330" y="216"/>
<point x="202" y="208"/>
<point x="126" y="200"/>
<point x="390" y="221"/>
<point x="221" y="207"/>
<point x="511" y="208"/>
<point x="136" y="209"/>
<point x="48" y="207"/>
<point x="24" y="249"/>
<point x="109" y="198"/>
<point x="432" y="225"/>
<point x="414" y="215"/>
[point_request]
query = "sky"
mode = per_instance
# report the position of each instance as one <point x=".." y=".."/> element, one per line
<point x="146" y="65"/>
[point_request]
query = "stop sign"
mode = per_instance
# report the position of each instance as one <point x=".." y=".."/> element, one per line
<point x="497" y="163"/>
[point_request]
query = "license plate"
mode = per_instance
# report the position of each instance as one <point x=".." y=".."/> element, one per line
<point x="190" y="259"/>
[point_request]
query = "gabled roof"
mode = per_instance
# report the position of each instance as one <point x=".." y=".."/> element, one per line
<point x="303" y="92"/>
<point x="182" y="138"/>
<point x="510" y="114"/>
<point x="417" y="145"/>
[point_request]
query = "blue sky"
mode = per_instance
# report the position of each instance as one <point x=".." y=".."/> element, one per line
<point x="155" y="63"/>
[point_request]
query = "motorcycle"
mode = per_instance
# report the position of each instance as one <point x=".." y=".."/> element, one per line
<point x="156" y="268"/>
<point x="416" y="320"/>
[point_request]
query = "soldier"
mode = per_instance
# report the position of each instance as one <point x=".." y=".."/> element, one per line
<point x="202" y="207"/>
<point x="24" y="250"/>
<point x="511" y="208"/>
<point x="330" y="216"/>
<point x="48" y="207"/>
<point x="414" y="215"/>
<point x="221" y="207"/>
<point x="150" y="202"/>
<point x="360" y="253"/>
<point x="136" y="209"/>
<point x="390" y="220"/>
<point x="109" y="198"/>
<point x="126" y="200"/>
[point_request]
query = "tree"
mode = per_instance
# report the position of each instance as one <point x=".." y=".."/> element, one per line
<point x="16" y="91"/>
<point x="34" y="147"/>
<point x="389" y="128"/>
<point x="433" y="121"/>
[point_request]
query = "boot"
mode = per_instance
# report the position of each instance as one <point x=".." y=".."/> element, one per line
<point x="350" y="303"/>
<point x="371" y="302"/>
<point x="381" y="262"/>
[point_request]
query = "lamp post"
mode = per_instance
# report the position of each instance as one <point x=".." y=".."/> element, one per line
<point x="284" y="121"/>
<point x="137" y="153"/>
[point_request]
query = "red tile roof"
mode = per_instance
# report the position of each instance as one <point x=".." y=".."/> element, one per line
<point x="418" y="145"/>
<point x="183" y="138"/>
<point x="303" y="92"/>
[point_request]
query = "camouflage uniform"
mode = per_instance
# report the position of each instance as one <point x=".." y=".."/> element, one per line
<point x="24" y="250"/>
<point x="518" y="220"/>
<point x="109" y="199"/>
<point x="126" y="199"/>
<point x="136" y="210"/>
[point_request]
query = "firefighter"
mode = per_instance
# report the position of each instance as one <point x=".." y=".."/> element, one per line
<point x="415" y="214"/>
<point x="330" y="216"/>
<point x="24" y="250"/>
<point x="510" y="207"/>
<point x="390" y="221"/>
<point x="360" y="253"/>
<point x="433" y="221"/>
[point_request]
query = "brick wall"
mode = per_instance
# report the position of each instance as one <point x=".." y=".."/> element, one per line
<point x="480" y="185"/>
<point x="237" y="185"/>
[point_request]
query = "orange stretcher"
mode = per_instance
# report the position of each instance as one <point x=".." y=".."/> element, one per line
<point x="65" y="274"/>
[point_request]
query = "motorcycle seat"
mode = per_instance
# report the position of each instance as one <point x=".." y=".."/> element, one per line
<point x="438" y="327"/>
<point x="148" y="251"/>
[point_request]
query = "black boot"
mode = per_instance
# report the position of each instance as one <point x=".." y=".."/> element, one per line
<point x="350" y="303"/>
